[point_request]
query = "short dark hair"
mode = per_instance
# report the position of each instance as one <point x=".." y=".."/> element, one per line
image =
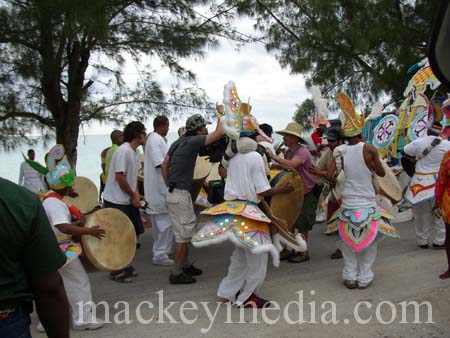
<point x="267" y="129"/>
<point x="115" y="134"/>
<point x="160" y="121"/>
<point x="133" y="130"/>
<point x="29" y="151"/>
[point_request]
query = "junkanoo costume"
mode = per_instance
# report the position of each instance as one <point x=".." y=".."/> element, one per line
<point x="420" y="191"/>
<point x="239" y="218"/>
<point x="359" y="220"/>
<point x="76" y="282"/>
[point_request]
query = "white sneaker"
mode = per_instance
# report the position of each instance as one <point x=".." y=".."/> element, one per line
<point x="89" y="326"/>
<point x="40" y="327"/>
<point x="166" y="262"/>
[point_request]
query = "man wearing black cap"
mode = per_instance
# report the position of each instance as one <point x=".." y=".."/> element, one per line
<point x="326" y="169"/>
<point x="178" y="171"/>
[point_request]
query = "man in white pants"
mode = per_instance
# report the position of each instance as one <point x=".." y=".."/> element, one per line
<point x="155" y="191"/>
<point x="359" y="220"/>
<point x="420" y="191"/>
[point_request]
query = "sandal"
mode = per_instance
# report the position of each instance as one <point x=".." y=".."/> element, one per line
<point x="122" y="276"/>
<point x="131" y="271"/>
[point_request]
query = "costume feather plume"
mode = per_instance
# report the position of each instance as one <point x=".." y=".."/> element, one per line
<point x="377" y="109"/>
<point x="321" y="114"/>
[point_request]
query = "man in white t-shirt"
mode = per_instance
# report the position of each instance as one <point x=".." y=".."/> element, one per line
<point x="121" y="185"/>
<point x="30" y="178"/>
<point x="155" y="191"/>
<point x="420" y="191"/>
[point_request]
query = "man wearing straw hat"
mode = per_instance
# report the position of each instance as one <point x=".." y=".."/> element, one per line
<point x="178" y="171"/>
<point x="155" y="191"/>
<point x="300" y="159"/>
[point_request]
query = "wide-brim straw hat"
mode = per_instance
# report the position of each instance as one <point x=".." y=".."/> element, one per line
<point x="295" y="129"/>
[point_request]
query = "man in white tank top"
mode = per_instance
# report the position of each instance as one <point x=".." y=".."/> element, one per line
<point x="359" y="220"/>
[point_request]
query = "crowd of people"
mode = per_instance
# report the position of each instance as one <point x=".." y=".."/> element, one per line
<point x="341" y="168"/>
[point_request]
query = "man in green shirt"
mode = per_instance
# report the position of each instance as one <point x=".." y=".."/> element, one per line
<point x="29" y="261"/>
<point x="117" y="140"/>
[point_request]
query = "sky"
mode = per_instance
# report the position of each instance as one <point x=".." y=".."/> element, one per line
<point x="273" y="91"/>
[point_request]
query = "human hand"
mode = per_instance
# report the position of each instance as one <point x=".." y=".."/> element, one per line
<point x="285" y="188"/>
<point x="136" y="200"/>
<point x="314" y="170"/>
<point x="97" y="232"/>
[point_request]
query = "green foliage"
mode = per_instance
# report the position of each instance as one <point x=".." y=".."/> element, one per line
<point x="358" y="46"/>
<point x="62" y="62"/>
<point x="304" y="113"/>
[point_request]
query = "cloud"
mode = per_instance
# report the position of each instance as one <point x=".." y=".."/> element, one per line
<point x="273" y="91"/>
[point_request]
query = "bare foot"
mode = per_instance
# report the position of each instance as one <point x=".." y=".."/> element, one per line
<point x="445" y="275"/>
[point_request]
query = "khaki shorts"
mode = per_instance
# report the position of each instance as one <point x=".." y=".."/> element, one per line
<point x="181" y="210"/>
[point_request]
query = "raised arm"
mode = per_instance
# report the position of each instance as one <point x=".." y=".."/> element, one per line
<point x="216" y="134"/>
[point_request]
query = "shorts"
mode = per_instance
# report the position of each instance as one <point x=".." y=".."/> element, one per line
<point x="181" y="210"/>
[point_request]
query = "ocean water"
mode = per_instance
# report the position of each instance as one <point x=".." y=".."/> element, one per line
<point x="88" y="164"/>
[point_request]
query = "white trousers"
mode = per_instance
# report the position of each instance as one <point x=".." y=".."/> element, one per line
<point x="358" y="265"/>
<point x="246" y="274"/>
<point x="162" y="236"/>
<point x="427" y="225"/>
<point x="78" y="289"/>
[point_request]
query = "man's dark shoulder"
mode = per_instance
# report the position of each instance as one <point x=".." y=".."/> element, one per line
<point x="13" y="193"/>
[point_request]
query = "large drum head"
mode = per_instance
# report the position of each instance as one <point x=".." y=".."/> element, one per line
<point x="389" y="185"/>
<point x="87" y="192"/>
<point x="117" y="249"/>
<point x="201" y="172"/>
<point x="287" y="206"/>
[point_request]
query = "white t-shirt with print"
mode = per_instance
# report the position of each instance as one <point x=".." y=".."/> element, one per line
<point x="154" y="187"/>
<point x="125" y="160"/>
<point x="246" y="177"/>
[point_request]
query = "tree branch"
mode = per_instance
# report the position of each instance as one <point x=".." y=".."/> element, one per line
<point x="28" y="115"/>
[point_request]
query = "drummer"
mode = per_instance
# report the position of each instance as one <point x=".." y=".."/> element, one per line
<point x="299" y="158"/>
<point x="76" y="282"/>
<point x="178" y="171"/>
<point x="121" y="186"/>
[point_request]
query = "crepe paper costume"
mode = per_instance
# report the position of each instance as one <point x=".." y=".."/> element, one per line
<point x="423" y="79"/>
<point x="372" y="121"/>
<point x="352" y="123"/>
<point x="446" y="111"/>
<point x="237" y="120"/>
<point x="442" y="191"/>
<point x="421" y="188"/>
<point x="384" y="132"/>
<point x="359" y="228"/>
<point x="202" y="199"/>
<point x="321" y="111"/>
<point x="244" y="224"/>
<point x="70" y="248"/>
<point x="58" y="172"/>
